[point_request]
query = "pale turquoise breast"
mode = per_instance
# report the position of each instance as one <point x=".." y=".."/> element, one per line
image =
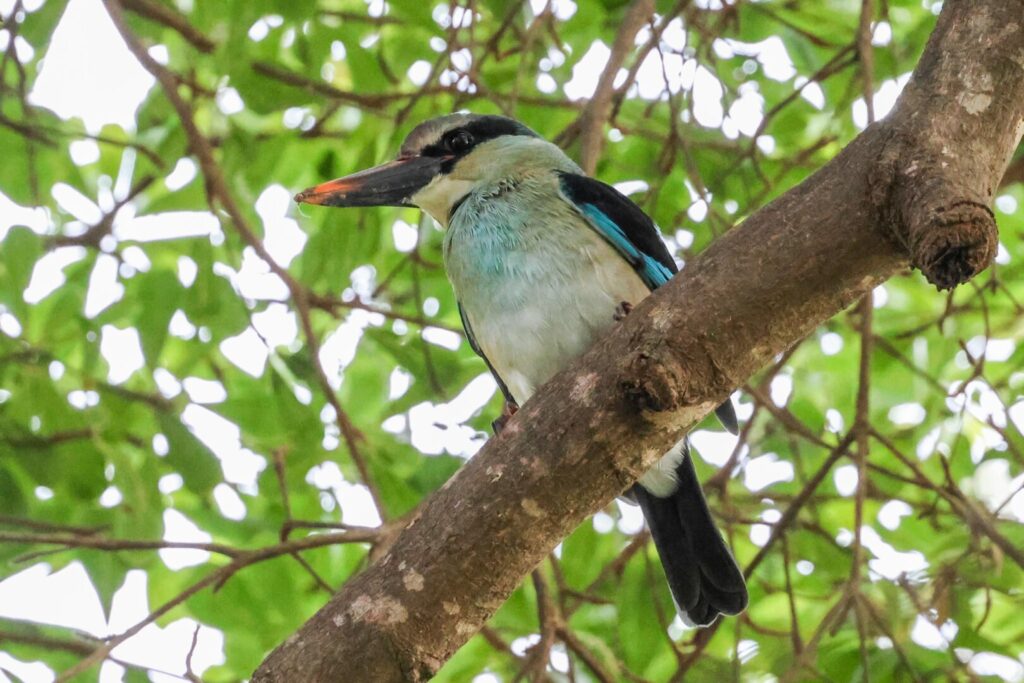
<point x="536" y="282"/>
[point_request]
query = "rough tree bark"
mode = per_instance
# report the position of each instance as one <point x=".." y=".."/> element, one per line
<point x="913" y="189"/>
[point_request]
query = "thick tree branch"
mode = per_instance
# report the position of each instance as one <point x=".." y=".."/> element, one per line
<point x="913" y="188"/>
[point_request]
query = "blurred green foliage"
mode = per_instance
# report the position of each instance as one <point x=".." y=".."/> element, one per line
<point x="292" y="93"/>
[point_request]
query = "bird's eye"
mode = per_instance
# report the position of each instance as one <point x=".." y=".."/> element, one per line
<point x="459" y="141"/>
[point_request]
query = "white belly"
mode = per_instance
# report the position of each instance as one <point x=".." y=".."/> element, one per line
<point x="537" y="299"/>
<point x="540" y="324"/>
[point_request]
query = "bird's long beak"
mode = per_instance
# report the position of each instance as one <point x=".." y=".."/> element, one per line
<point x="390" y="184"/>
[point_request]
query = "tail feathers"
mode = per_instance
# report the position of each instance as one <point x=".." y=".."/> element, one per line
<point x="702" y="574"/>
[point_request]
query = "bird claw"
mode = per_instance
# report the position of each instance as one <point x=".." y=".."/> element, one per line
<point x="622" y="310"/>
<point x="507" y="412"/>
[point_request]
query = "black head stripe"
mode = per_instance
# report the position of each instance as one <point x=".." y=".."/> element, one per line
<point x="475" y="130"/>
<point x="489" y="127"/>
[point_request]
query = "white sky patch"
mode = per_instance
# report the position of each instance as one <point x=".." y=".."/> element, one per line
<point x="880" y="297"/>
<point x="184" y="172"/>
<point x="714" y="447"/>
<point x="831" y="343"/>
<point x="180" y="529"/>
<point x="747" y="111"/>
<point x="9" y="324"/>
<point x="707" y="99"/>
<point x="80" y="400"/>
<point x="398" y="384"/>
<point x="892" y="513"/>
<point x="405" y="236"/>
<point x="246" y="351"/>
<point x="631" y="520"/>
<point x="229" y="101"/>
<point x="88" y="71"/>
<point x="603" y="522"/>
<point x="562" y="9"/>
<point x="890" y="563"/>
<point x="180" y="326"/>
<point x="229" y="502"/>
<point x="165" y="648"/>
<point x="136" y="259"/>
<point x="845" y="477"/>
<point x="277" y="325"/>
<point x="84" y="152"/>
<point x="587" y="72"/>
<point x="834" y="421"/>
<point x="29" y="672"/>
<point x="111" y="497"/>
<point x="204" y="390"/>
<point x="440" y="428"/>
<point x="629" y="187"/>
<point x="75" y="203"/>
<point x="781" y="389"/>
<point x="462" y="59"/>
<point x="473" y="397"/>
<point x="443" y="338"/>
<point x="281" y="235"/>
<point x="166" y="383"/>
<point x="62" y="598"/>
<point x="993" y="483"/>
<point x="770" y="53"/>
<point x="171" y="225"/>
<point x="339" y="348"/>
<point x="432" y="431"/>
<point x="240" y="465"/>
<point x="169" y="483"/>
<point x="994" y="350"/>
<point x="35" y="219"/>
<point x="658" y="73"/>
<point x="884" y="100"/>
<point x="356" y="502"/>
<point x="1006" y="203"/>
<point x="881" y="34"/>
<point x="48" y="272"/>
<point x="766" y="470"/>
<point x="811" y="92"/>
<point x="994" y="664"/>
<point x="123" y="352"/>
<point x="254" y="280"/>
<point x="673" y="36"/>
<point x="928" y="635"/>
<point x="907" y="414"/>
<point x="759" y="534"/>
<point x="187" y="271"/>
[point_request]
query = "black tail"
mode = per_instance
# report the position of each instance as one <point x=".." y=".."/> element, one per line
<point x="702" y="574"/>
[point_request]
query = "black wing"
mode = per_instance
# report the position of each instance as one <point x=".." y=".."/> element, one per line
<point x="632" y="229"/>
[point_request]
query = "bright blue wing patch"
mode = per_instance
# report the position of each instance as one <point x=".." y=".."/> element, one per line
<point x="651" y="271"/>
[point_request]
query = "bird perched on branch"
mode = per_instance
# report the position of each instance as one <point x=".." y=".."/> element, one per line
<point x="543" y="259"/>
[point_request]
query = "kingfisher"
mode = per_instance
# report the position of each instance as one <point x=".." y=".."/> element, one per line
<point x="543" y="260"/>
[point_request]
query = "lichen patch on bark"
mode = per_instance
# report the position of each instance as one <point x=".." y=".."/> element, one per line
<point x="412" y="580"/>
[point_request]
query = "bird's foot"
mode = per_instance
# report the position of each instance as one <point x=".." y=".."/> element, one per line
<point x="507" y="412"/>
<point x="622" y="310"/>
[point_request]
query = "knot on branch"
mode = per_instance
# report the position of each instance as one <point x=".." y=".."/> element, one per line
<point x="661" y="380"/>
<point x="928" y="202"/>
<point x="654" y="385"/>
<point x="955" y="243"/>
